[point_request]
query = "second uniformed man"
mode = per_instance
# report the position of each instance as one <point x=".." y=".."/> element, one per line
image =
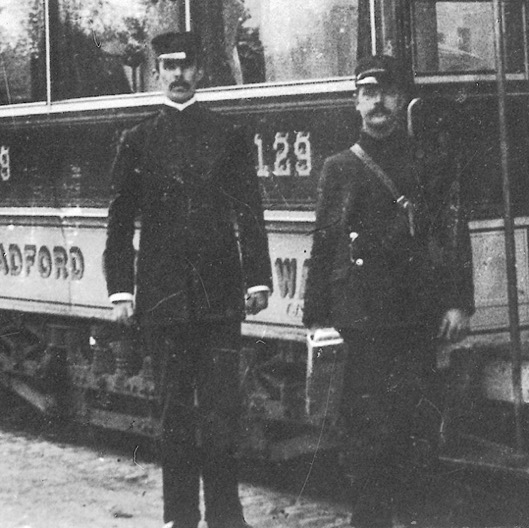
<point x="390" y="270"/>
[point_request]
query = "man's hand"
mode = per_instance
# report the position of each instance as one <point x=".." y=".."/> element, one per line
<point x="256" y="301"/>
<point x="454" y="325"/>
<point x="122" y="312"/>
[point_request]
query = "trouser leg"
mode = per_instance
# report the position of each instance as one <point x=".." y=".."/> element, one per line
<point x="386" y="383"/>
<point x="367" y="435"/>
<point x="175" y="372"/>
<point x="219" y="404"/>
<point x="417" y="412"/>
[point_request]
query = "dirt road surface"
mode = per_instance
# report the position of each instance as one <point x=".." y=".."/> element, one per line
<point x="47" y="485"/>
<point x="49" y="479"/>
<point x="53" y="478"/>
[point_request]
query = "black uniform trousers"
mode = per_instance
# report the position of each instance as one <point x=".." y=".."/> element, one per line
<point x="197" y="376"/>
<point x="391" y="420"/>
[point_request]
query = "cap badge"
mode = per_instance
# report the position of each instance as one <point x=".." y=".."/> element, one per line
<point x="177" y="55"/>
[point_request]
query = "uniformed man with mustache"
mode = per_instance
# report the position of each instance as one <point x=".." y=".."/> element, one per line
<point x="188" y="174"/>
<point x="391" y="270"/>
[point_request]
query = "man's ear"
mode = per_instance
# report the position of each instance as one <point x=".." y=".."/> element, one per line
<point x="200" y="73"/>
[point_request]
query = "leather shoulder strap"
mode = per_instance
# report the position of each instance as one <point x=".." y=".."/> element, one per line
<point x="376" y="169"/>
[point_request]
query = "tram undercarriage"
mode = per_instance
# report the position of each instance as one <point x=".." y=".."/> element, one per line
<point x="91" y="374"/>
<point x="87" y="373"/>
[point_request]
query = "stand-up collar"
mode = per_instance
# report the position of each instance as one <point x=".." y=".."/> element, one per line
<point x="396" y="142"/>
<point x="393" y="154"/>
<point x="180" y="106"/>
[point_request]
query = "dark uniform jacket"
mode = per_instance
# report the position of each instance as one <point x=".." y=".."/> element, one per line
<point x="403" y="279"/>
<point x="190" y="178"/>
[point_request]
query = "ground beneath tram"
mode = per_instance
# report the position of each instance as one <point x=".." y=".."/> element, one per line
<point x="60" y="477"/>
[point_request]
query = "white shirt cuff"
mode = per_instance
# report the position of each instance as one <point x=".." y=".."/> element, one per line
<point x="125" y="296"/>
<point x="255" y="289"/>
<point x="122" y="296"/>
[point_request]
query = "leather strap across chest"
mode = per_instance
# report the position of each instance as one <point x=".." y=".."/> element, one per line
<point x="377" y="170"/>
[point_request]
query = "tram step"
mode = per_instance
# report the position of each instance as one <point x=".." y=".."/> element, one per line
<point x="46" y="403"/>
<point x="301" y="445"/>
<point x="474" y="451"/>
<point x="497" y="381"/>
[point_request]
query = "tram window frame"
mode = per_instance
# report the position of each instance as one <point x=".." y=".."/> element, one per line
<point x="436" y="77"/>
<point x="23" y="62"/>
<point x="331" y="86"/>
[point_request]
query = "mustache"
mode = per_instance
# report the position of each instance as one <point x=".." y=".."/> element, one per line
<point x="380" y="110"/>
<point x="180" y="84"/>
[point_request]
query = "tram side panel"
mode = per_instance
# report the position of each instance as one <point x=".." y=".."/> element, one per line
<point x="52" y="265"/>
<point x="51" y="273"/>
<point x="53" y="299"/>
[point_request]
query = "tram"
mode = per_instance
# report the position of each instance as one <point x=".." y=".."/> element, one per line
<point x="75" y="73"/>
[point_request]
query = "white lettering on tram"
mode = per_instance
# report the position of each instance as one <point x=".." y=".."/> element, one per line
<point x="286" y="272"/>
<point x="57" y="262"/>
<point x="262" y="170"/>
<point x="282" y="165"/>
<point x="291" y="284"/>
<point x="303" y="152"/>
<point x="5" y="163"/>
<point x="286" y="148"/>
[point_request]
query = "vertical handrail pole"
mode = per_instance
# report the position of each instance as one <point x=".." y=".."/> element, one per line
<point x="510" y="248"/>
<point x="47" y="36"/>
<point x="187" y="7"/>
<point x="373" y="23"/>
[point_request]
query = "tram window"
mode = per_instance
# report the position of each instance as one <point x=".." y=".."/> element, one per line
<point x="458" y="37"/>
<point x="22" y="55"/>
<point x="97" y="47"/>
<point x="101" y="47"/>
<point x="279" y="41"/>
<point x="65" y="167"/>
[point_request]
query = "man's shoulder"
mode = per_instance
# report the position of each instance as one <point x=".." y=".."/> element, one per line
<point x="227" y="131"/>
<point x="203" y="119"/>
<point x="344" y="168"/>
<point x="344" y="158"/>
<point x="216" y="119"/>
<point x="144" y="126"/>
